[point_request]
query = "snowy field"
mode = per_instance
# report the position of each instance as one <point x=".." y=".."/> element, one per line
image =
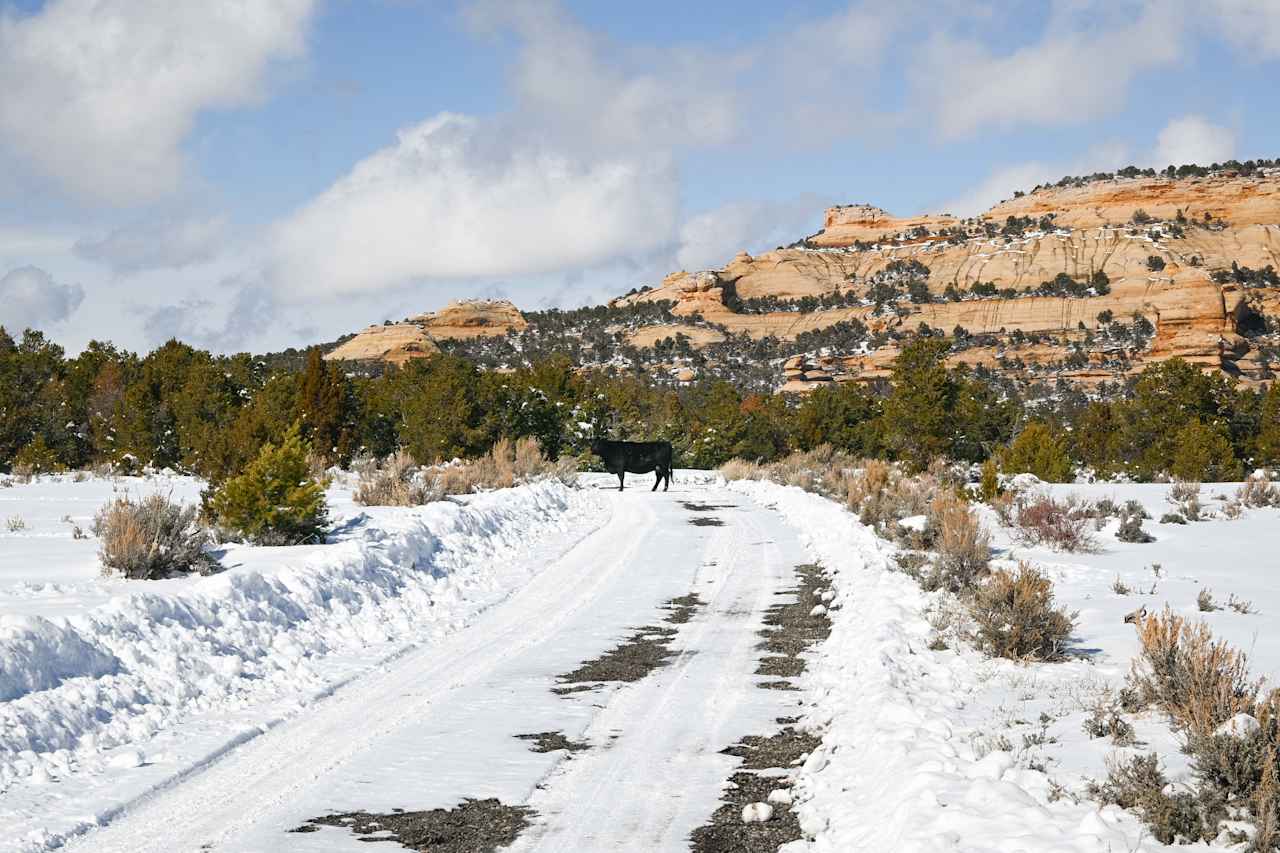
<point x="396" y="664"/>
<point x="949" y="750"/>
<point x="110" y="688"/>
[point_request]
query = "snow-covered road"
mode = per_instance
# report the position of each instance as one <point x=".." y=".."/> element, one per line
<point x="440" y="723"/>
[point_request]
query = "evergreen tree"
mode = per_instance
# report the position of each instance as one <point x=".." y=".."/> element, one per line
<point x="842" y="415"/>
<point x="1038" y="450"/>
<point x="325" y="407"/>
<point x="1267" y="446"/>
<point x="274" y="501"/>
<point x="984" y="419"/>
<point x="919" y="415"/>
<point x="1203" y="453"/>
<point x="446" y="410"/>
<point x="1165" y="397"/>
<point x="1095" y="438"/>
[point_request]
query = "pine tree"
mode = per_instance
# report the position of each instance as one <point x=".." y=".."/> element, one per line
<point x="274" y="502"/>
<point x="1203" y="453"/>
<point x="324" y="404"/>
<point x="1267" y="445"/>
<point x="1037" y="450"/>
<point x="919" y="415"/>
<point x="840" y="414"/>
<point x="989" y="485"/>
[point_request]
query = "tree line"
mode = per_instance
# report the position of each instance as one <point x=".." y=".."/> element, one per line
<point x="187" y="409"/>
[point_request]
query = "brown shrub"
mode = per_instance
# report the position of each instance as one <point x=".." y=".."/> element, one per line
<point x="1258" y="492"/>
<point x="1201" y="682"/>
<point x="740" y="469"/>
<point x="151" y="538"/>
<point x="1016" y="618"/>
<point x="396" y="481"/>
<point x="507" y="464"/>
<point x="963" y="546"/>
<point x="1061" y="524"/>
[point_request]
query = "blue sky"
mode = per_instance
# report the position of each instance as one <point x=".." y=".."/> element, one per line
<point x="259" y="175"/>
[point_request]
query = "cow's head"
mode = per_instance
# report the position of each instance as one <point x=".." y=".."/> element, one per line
<point x="597" y="445"/>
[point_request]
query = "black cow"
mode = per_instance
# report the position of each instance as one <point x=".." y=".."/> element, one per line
<point x="638" y="457"/>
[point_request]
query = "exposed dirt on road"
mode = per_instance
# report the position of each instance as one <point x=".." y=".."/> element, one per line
<point x="637" y="656"/>
<point x="474" y="826"/>
<point x="791" y="627"/>
<point x="552" y="741"/>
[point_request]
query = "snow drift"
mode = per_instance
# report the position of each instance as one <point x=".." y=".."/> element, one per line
<point x="72" y="688"/>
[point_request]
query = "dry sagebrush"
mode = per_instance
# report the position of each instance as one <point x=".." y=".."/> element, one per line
<point x="151" y="538"/>
<point x="1059" y="524"/>
<point x="963" y="547"/>
<point x="395" y="481"/>
<point x="1016" y="617"/>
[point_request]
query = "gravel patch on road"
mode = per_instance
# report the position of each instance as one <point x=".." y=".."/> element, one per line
<point x="791" y="627"/>
<point x="637" y="656"/>
<point x="474" y="826"/>
<point x="551" y="741"/>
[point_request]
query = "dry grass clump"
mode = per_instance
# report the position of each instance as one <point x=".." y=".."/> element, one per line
<point x="1016" y="618"/>
<point x="1185" y="495"/>
<point x="1060" y="524"/>
<point x="151" y="538"/>
<point x="1258" y="492"/>
<point x="1201" y="682"/>
<point x="507" y="464"/>
<point x="1140" y="784"/>
<point x="821" y="470"/>
<point x="741" y="469"/>
<point x="963" y="546"/>
<point x="396" y="481"/>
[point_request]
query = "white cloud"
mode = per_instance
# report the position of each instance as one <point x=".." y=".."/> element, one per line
<point x="100" y="94"/>
<point x="456" y="198"/>
<point x="1252" y="25"/>
<point x="30" y="298"/>
<point x="161" y="244"/>
<point x="1080" y="69"/>
<point x="578" y="85"/>
<point x="1193" y="139"/>
<point x="709" y="240"/>
<point x="998" y="186"/>
<point x="1003" y="182"/>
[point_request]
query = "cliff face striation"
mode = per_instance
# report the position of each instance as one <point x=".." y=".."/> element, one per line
<point x="1065" y="266"/>
<point x="416" y="337"/>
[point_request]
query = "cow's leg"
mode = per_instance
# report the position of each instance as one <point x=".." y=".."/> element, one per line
<point x="657" y="478"/>
<point x="622" y="476"/>
<point x="668" y="483"/>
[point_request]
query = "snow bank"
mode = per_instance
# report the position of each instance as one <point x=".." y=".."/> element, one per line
<point x="74" y="687"/>
<point x="904" y="765"/>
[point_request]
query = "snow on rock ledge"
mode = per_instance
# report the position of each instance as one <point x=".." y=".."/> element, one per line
<point x="391" y="577"/>
<point x="894" y="772"/>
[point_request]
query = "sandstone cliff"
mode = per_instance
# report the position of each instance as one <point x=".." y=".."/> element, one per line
<point x="1149" y="237"/>
<point x="417" y="337"/>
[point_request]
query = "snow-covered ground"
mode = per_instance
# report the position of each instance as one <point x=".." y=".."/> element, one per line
<point x="112" y="688"/>
<point x="394" y="666"/>
<point x="929" y="750"/>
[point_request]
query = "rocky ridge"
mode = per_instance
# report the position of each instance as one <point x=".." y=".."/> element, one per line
<point x="417" y="337"/>
<point x="1165" y="246"/>
<point x="1088" y="281"/>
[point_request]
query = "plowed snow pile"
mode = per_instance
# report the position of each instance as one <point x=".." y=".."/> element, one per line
<point x="103" y="678"/>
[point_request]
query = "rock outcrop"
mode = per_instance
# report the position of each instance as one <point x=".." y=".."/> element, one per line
<point x="1150" y="237"/>
<point x="471" y="318"/>
<point x="396" y="343"/>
